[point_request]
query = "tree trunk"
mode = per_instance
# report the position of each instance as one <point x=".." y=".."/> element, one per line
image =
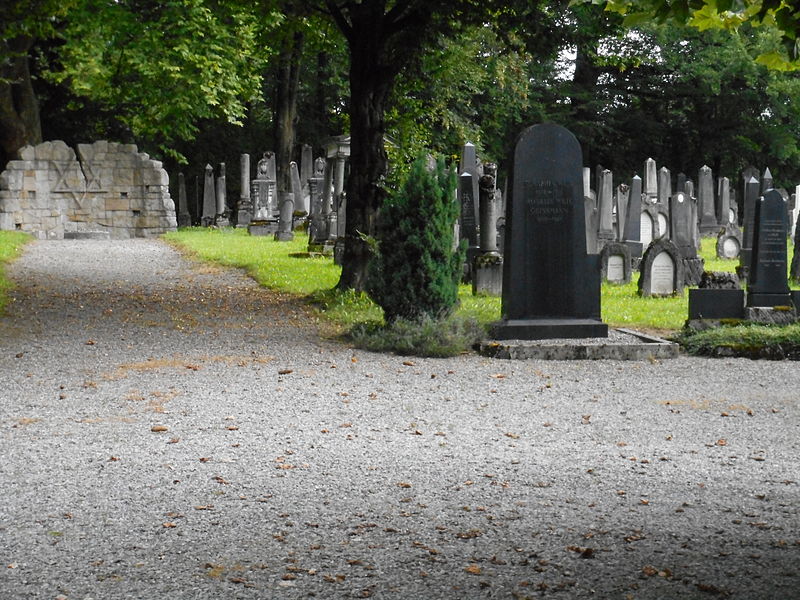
<point x="287" y="84"/>
<point x="19" y="110"/>
<point x="370" y="85"/>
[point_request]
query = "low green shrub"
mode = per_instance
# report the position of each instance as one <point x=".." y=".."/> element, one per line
<point x="425" y="336"/>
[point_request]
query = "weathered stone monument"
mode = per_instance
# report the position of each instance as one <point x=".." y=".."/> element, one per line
<point x="209" y="198"/>
<point x="706" y="202"/>
<point x="615" y="263"/>
<point x="661" y="270"/>
<point x="184" y="218"/>
<point x="109" y="190"/>
<point x="487" y="266"/>
<point x="222" y="219"/>
<point x="244" y="210"/>
<point x="264" y="197"/>
<point x="551" y="286"/>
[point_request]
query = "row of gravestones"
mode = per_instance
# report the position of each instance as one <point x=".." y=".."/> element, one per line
<point x="551" y="283"/>
<point x="260" y="208"/>
<point x="621" y="222"/>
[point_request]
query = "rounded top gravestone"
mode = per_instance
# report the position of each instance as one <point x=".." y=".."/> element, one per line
<point x="548" y="274"/>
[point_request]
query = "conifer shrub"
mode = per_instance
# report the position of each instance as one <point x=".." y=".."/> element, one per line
<point x="415" y="271"/>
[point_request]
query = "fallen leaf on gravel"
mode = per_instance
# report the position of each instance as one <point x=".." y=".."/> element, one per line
<point x="289" y="577"/>
<point x="649" y="570"/>
<point x="233" y="428"/>
<point x="219" y="479"/>
<point x="204" y="459"/>
<point x="285" y="371"/>
<point x="168" y="525"/>
<point x="403" y="484"/>
<point x="584" y="552"/>
<point x="90" y="342"/>
<point x="174" y="441"/>
<point x="113" y="459"/>
<point x="206" y="507"/>
<point x="704" y="587"/>
<point x="498" y="376"/>
<point x="158" y="428"/>
<point x="513" y="436"/>
<point x="722" y="442"/>
<point x="473" y="569"/>
<point x="13" y="566"/>
<point x="585" y="419"/>
<point x="408" y="363"/>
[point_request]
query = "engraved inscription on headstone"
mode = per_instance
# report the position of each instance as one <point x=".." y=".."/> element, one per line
<point x="646" y="229"/>
<point x="616" y="269"/>
<point x="663" y="275"/>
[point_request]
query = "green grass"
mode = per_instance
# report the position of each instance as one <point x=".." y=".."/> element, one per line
<point x="11" y="243"/>
<point x="272" y="265"/>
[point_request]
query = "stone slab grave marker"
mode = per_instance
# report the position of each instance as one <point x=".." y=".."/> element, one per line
<point x="551" y="286"/>
<point x="768" y="284"/>
<point x="244" y="210"/>
<point x="615" y="262"/>
<point x="209" y="198"/>
<point x="632" y="235"/>
<point x="729" y="242"/>
<point x="751" y="195"/>
<point x="184" y="218"/>
<point x="661" y="270"/>
<point x="706" y="202"/>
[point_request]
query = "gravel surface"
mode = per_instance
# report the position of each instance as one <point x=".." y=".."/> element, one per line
<point x="169" y="430"/>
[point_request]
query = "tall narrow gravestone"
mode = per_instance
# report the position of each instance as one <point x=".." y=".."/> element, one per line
<point x="768" y="283"/>
<point x="551" y="286"/>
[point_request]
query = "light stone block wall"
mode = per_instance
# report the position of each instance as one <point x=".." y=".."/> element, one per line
<point x="108" y="188"/>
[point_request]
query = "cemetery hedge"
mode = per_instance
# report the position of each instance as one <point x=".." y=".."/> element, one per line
<point x="11" y="243"/>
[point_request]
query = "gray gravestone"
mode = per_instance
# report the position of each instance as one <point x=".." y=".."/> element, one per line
<point x="605" y="207"/>
<point x="222" y="198"/>
<point x="705" y="201"/>
<point x="664" y="186"/>
<point x="661" y="270"/>
<point x="681" y="225"/>
<point x="244" y="211"/>
<point x="615" y="263"/>
<point x="551" y="286"/>
<point x="621" y="206"/>
<point x="724" y="201"/>
<point x="729" y="242"/>
<point x="184" y="218"/>
<point x="591" y="222"/>
<point x="767" y="281"/>
<point x="209" y="198"/>
<point x="296" y="188"/>
<point x="766" y="181"/>
<point x="650" y="181"/>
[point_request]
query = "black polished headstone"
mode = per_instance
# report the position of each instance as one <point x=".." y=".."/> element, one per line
<point x="751" y="194"/>
<point x="469" y="227"/>
<point x="551" y="286"/>
<point x="768" y="283"/>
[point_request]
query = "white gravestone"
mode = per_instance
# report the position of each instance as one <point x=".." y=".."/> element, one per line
<point x="646" y="229"/>
<point x="662" y="278"/>
<point x="730" y="248"/>
<point x="615" y="271"/>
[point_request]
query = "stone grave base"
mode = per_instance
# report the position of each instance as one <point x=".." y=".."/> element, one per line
<point x="325" y="248"/>
<point x="266" y="227"/>
<point x="621" y="344"/>
<point x="783" y="315"/>
<point x="487" y="275"/>
<point x="543" y="329"/>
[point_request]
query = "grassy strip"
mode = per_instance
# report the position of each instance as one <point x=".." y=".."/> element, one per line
<point x="11" y="243"/>
<point x="285" y="266"/>
<point x="745" y="340"/>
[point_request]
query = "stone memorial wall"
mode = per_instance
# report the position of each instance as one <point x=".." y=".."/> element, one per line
<point x="109" y="190"/>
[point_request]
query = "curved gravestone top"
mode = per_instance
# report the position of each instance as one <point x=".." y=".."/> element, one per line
<point x="661" y="270"/>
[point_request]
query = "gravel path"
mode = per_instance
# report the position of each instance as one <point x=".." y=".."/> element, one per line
<point x="288" y="466"/>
